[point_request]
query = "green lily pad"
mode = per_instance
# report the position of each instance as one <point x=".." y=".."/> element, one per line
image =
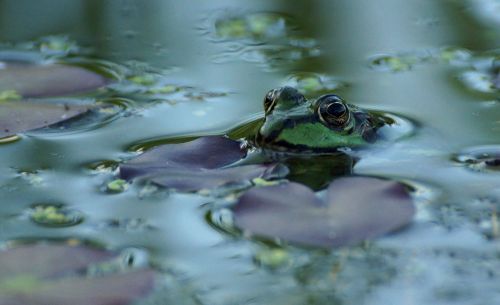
<point x="44" y="274"/>
<point x="355" y="209"/>
<point x="54" y="215"/>
<point x="255" y="26"/>
<point x="313" y="83"/>
<point x="24" y="115"/>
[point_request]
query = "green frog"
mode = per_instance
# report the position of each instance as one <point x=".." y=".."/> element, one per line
<point x="293" y="124"/>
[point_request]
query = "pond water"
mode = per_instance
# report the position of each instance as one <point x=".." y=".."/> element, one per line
<point x="211" y="63"/>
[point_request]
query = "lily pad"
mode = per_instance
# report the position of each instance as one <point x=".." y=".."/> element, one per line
<point x="30" y="80"/>
<point x="194" y="180"/>
<point x="20" y="116"/>
<point x="313" y="83"/>
<point x="54" y="215"/>
<point x="51" y="275"/>
<point x="47" y="261"/>
<point x="256" y="26"/>
<point x="355" y="209"/>
<point x="196" y="165"/>
<point x="202" y="153"/>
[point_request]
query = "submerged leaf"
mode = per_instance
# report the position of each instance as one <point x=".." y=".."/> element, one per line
<point x="21" y="116"/>
<point x="356" y="208"/>
<point x="188" y="180"/>
<point x="115" y="289"/>
<point x="30" y="80"/>
<point x="52" y="275"/>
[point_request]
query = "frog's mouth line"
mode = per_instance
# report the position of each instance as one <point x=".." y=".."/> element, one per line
<point x="291" y="123"/>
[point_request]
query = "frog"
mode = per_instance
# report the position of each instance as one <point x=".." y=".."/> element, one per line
<point x="294" y="124"/>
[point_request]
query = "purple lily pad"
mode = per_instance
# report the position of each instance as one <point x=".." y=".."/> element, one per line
<point x="48" y="80"/>
<point x="356" y="209"/>
<point x="187" y="180"/>
<point x="196" y="165"/>
<point x="202" y="153"/>
<point x="48" y="260"/>
<point x="48" y="275"/>
<point x="20" y="116"/>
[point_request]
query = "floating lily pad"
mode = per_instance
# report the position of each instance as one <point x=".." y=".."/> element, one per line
<point x="202" y="153"/>
<point x="30" y="80"/>
<point x="193" y="180"/>
<point x="255" y="26"/>
<point x="21" y="116"/>
<point x="313" y="83"/>
<point x="392" y="63"/>
<point x="196" y="165"/>
<point x="52" y="275"/>
<point x="355" y="209"/>
<point x="54" y="215"/>
<point x="455" y="55"/>
<point x="117" y="186"/>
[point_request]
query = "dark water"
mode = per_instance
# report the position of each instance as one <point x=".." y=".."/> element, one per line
<point x="448" y="256"/>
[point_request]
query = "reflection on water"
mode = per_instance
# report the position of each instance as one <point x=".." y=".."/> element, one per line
<point x="202" y="67"/>
<point x="268" y="39"/>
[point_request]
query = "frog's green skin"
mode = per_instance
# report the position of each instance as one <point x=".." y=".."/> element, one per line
<point x="296" y="125"/>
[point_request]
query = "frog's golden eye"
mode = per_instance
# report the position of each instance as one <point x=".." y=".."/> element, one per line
<point x="269" y="100"/>
<point x="333" y="111"/>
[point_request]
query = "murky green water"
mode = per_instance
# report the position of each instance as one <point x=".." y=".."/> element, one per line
<point x="413" y="58"/>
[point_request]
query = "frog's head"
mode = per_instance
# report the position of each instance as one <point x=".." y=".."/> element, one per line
<point x="294" y="124"/>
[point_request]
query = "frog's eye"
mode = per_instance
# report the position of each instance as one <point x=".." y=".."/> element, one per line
<point x="333" y="111"/>
<point x="269" y="100"/>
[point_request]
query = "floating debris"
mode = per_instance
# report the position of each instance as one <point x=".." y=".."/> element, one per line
<point x="50" y="215"/>
<point x="480" y="158"/>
